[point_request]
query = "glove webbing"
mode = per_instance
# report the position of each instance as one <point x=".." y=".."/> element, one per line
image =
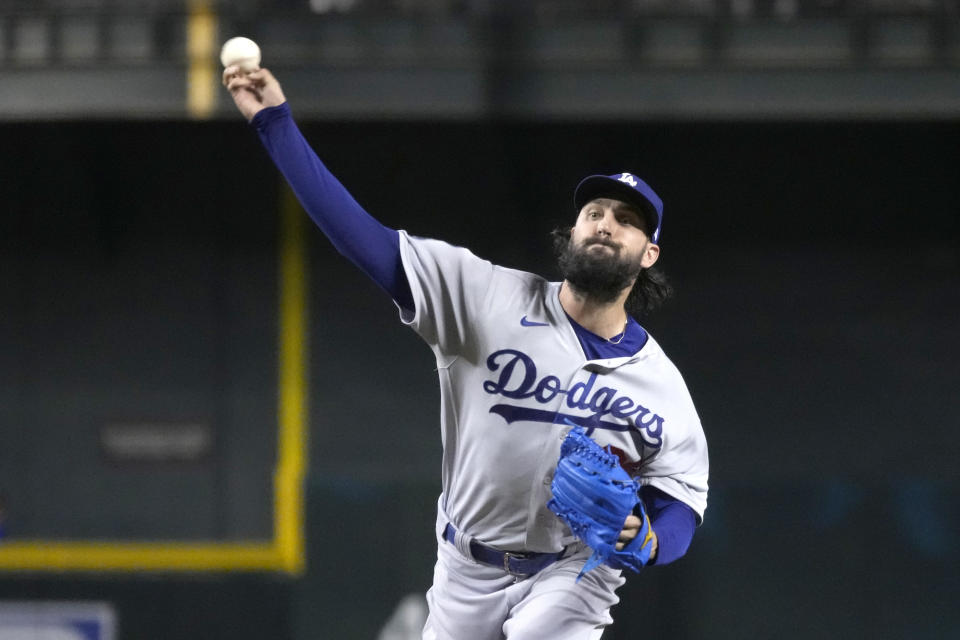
<point x="593" y="495"/>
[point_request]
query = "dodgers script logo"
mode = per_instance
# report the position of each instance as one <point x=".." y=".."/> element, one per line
<point x="518" y="380"/>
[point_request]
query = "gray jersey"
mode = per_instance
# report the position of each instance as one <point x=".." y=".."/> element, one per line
<point x="512" y="372"/>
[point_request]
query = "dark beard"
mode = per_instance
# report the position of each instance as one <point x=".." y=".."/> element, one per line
<point x="600" y="277"/>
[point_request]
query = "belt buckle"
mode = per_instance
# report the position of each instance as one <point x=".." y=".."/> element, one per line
<point x="506" y="564"/>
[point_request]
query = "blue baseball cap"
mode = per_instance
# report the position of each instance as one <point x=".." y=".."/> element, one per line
<point x="627" y="188"/>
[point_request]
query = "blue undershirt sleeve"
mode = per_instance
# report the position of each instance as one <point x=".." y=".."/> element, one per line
<point x="357" y="235"/>
<point x="672" y="520"/>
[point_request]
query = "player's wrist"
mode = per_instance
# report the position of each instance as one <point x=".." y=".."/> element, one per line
<point x="268" y="114"/>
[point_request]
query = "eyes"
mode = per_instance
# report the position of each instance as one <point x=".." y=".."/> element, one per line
<point x="621" y="217"/>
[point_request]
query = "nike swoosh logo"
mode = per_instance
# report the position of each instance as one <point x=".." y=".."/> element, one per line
<point x="531" y="323"/>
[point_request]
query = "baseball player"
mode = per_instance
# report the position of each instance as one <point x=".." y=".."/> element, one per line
<point x="519" y="360"/>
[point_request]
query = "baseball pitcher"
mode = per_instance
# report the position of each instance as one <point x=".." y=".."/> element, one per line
<point x="571" y="448"/>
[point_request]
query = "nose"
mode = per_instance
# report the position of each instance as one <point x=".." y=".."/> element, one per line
<point x="603" y="225"/>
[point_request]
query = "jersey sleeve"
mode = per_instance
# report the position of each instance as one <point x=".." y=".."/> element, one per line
<point x="449" y="287"/>
<point x="681" y="470"/>
<point x="682" y="466"/>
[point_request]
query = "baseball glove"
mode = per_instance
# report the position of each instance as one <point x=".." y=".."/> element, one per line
<point x="593" y="495"/>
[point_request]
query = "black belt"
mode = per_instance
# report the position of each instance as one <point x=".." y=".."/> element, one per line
<point x="516" y="564"/>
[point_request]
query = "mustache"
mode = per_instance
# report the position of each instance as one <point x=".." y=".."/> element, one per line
<point x="604" y="241"/>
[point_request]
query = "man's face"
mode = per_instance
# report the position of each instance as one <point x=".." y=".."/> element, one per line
<point x="608" y="248"/>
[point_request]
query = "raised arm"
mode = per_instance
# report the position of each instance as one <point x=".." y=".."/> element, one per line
<point x="373" y="247"/>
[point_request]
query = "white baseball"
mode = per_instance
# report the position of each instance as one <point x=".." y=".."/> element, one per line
<point x="242" y="52"/>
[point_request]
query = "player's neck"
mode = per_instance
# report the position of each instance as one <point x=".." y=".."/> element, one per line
<point x="605" y="319"/>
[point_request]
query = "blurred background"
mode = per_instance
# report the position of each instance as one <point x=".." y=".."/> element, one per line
<point x="155" y="479"/>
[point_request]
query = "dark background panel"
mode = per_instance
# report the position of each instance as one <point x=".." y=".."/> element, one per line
<point x="817" y="276"/>
<point x="138" y="274"/>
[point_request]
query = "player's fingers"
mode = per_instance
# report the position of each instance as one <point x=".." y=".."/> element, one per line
<point x="631" y="527"/>
<point x="235" y="84"/>
<point x="229" y="73"/>
<point x="261" y="75"/>
<point x="238" y="82"/>
<point x="233" y="72"/>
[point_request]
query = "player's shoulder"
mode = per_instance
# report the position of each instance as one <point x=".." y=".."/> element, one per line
<point x="434" y="246"/>
<point x="431" y="255"/>
<point x="507" y="278"/>
<point x="653" y="354"/>
<point x="522" y="278"/>
<point x="662" y="375"/>
<point x="514" y="286"/>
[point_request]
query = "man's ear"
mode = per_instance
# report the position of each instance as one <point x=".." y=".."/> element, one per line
<point x="650" y="255"/>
